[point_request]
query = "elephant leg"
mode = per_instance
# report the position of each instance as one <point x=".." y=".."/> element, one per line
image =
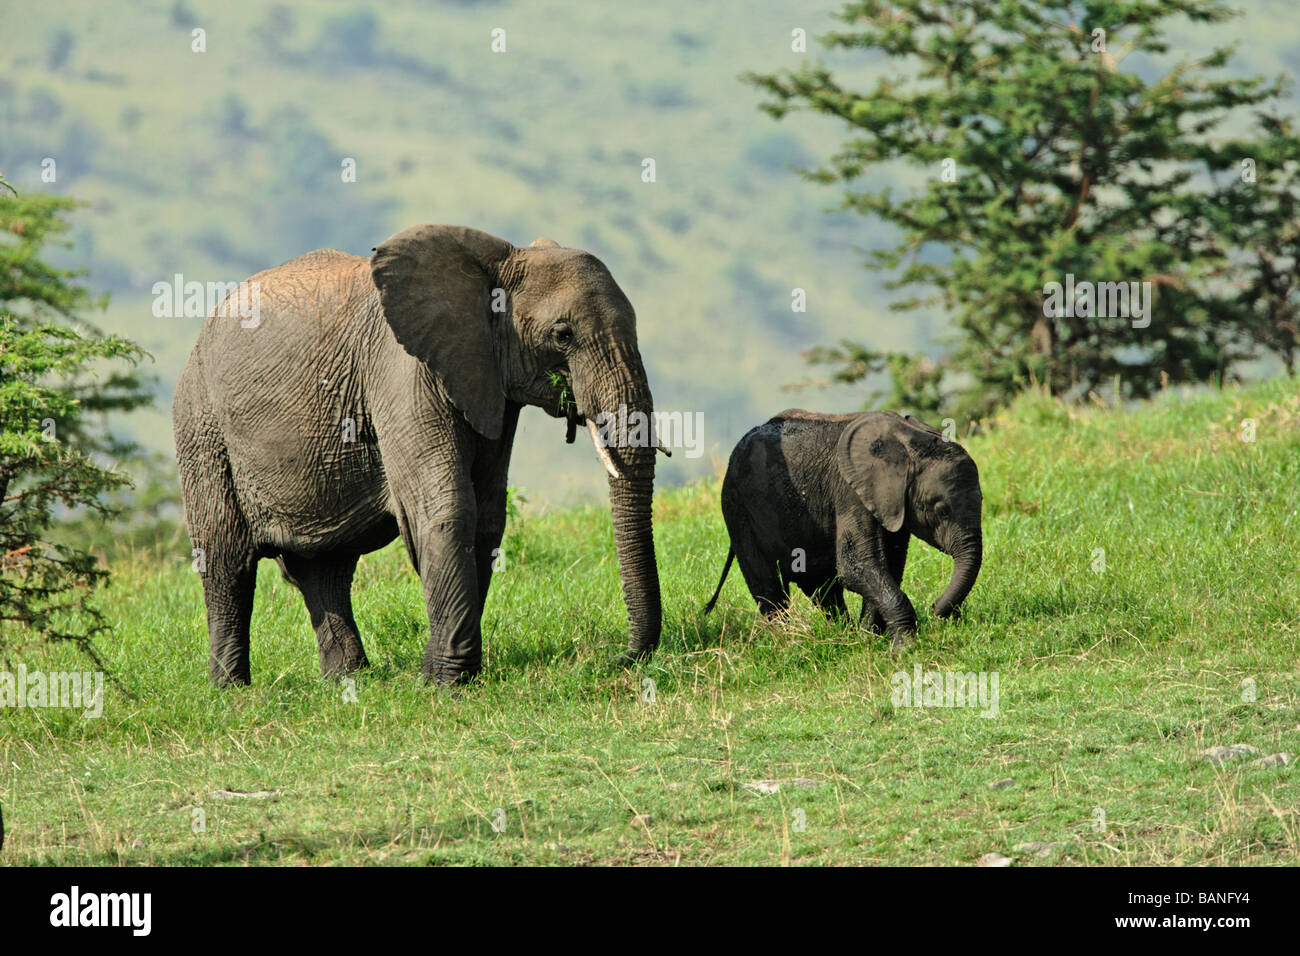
<point x="896" y="553"/>
<point x="443" y="550"/>
<point x="895" y="546"/>
<point x="488" y="555"/>
<point x="228" y="586"/>
<point x="762" y="577"/>
<point x="490" y="505"/>
<point x="769" y="593"/>
<point x="830" y="598"/>
<point x="223" y="550"/>
<point x="871" y="618"/>
<point x="326" y="586"/>
<point x="828" y="595"/>
<point x="861" y="555"/>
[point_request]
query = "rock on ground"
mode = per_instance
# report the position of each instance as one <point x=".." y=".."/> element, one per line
<point x="772" y="786"/>
<point x="241" y="795"/>
<point x="1221" y="755"/>
<point x="1274" y="760"/>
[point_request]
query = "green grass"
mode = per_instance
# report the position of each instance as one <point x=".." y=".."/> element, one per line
<point x="1111" y="682"/>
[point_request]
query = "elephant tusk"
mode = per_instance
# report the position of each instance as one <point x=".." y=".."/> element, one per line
<point x="602" y="452"/>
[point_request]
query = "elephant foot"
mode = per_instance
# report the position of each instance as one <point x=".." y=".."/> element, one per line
<point x="450" y="674"/>
<point x="632" y="656"/>
<point x="341" y="664"/>
<point x="227" y="675"/>
<point x="222" y="679"/>
<point x="342" y="668"/>
<point x="460" y="666"/>
<point x="902" y="642"/>
<point x="450" y="678"/>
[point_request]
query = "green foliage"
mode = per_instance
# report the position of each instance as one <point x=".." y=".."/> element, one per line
<point x="34" y="292"/>
<point x="1037" y="407"/>
<point x="1257" y="218"/>
<point x="513" y="539"/>
<point x="55" y="394"/>
<point x="1063" y="159"/>
<point x="45" y="586"/>
<point x="515" y="500"/>
<point x="565" y="401"/>
<point x="30" y="287"/>
<point x="916" y="381"/>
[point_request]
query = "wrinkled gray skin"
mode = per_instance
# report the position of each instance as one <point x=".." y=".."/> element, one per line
<point x="849" y="491"/>
<point x="406" y="345"/>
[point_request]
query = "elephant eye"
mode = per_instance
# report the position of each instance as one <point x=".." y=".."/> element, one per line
<point x="941" y="509"/>
<point x="563" y="335"/>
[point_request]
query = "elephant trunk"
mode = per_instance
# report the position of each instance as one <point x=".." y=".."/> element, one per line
<point x="966" y="558"/>
<point x="625" y="414"/>
<point x="629" y="500"/>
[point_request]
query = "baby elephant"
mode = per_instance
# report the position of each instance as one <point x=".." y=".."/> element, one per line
<point x="830" y="501"/>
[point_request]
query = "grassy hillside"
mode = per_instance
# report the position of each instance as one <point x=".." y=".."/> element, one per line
<point x="1110" y="681"/>
<point x="219" y="164"/>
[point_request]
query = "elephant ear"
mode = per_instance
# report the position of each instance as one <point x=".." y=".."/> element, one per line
<point x="435" y="284"/>
<point x="924" y="426"/>
<point x="875" y="463"/>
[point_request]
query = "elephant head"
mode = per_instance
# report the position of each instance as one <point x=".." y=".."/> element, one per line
<point x="544" y="326"/>
<point x="907" y="474"/>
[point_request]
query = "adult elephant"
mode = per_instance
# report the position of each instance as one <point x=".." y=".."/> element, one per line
<point x="367" y="398"/>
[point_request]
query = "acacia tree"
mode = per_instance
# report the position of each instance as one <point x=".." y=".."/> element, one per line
<point x="1054" y="148"/>
<point x="43" y="583"/>
<point x="34" y="292"/>
<point x="51" y="376"/>
<point x="1257" y="219"/>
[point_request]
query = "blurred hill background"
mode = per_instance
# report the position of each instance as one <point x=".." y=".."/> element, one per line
<point x="222" y="163"/>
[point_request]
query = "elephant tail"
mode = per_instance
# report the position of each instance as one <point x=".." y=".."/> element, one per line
<point x="731" y="554"/>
